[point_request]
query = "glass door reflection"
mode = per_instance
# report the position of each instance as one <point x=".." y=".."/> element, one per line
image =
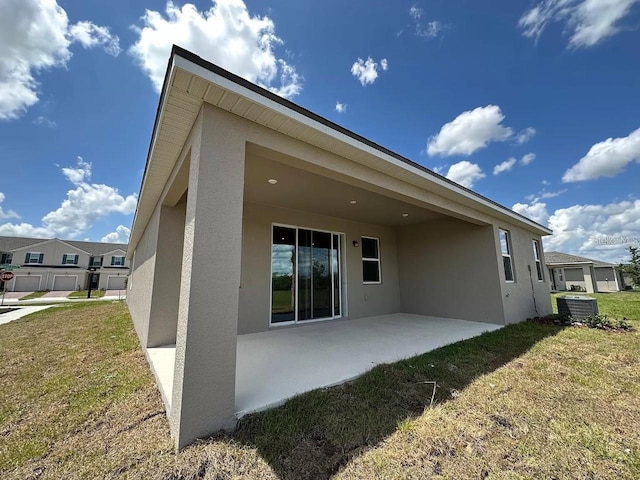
<point x="283" y="267"/>
<point x="306" y="275"/>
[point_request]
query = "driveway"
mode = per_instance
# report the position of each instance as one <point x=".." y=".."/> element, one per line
<point x="57" y="294"/>
<point x="115" y="293"/>
<point x="14" y="295"/>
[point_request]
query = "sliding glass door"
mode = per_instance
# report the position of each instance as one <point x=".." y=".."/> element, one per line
<point x="305" y="275"/>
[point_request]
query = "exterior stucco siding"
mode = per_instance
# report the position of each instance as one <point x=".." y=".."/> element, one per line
<point x="141" y="279"/>
<point x="526" y="297"/>
<point x="362" y="300"/>
<point x="447" y="269"/>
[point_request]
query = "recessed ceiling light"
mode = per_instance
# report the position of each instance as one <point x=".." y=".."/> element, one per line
<point x="272" y="181"/>
<point x="405" y="214"/>
<point x="353" y="202"/>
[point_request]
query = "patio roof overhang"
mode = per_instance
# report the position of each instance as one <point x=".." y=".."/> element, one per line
<point x="191" y="81"/>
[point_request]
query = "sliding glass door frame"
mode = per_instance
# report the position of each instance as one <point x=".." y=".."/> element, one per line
<point x="341" y="275"/>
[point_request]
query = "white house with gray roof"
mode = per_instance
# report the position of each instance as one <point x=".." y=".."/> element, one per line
<point x="260" y="223"/>
<point x="574" y="273"/>
<point x="54" y="264"/>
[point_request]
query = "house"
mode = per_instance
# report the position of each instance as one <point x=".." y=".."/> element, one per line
<point x="257" y="218"/>
<point x="54" y="264"/>
<point x="574" y="273"/>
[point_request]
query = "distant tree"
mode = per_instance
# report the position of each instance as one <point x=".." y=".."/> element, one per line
<point x="633" y="267"/>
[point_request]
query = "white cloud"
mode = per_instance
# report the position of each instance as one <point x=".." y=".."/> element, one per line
<point x="525" y="135"/>
<point x="8" y="213"/>
<point x="366" y="71"/>
<point x="78" y="174"/>
<point x="429" y="30"/>
<point x="606" y="159"/>
<point x="504" y="166"/>
<point x="121" y="235"/>
<point x="535" y="211"/>
<point x="602" y="232"/>
<point x="84" y="205"/>
<point x="226" y="34"/>
<point x="527" y="159"/>
<point x="543" y="195"/>
<point x="507" y="165"/>
<point x="341" y="107"/>
<point x="45" y="121"/>
<point x="465" y="173"/>
<point x="470" y="131"/>
<point x="588" y="22"/>
<point x="415" y="12"/>
<point x="90" y="35"/>
<point x="35" y="36"/>
<point x="552" y="194"/>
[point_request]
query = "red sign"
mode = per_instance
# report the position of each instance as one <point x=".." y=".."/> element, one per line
<point x="6" y="276"/>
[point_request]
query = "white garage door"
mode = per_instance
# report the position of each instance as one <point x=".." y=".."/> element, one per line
<point x="64" y="282"/>
<point x="116" y="283"/>
<point x="27" y="283"/>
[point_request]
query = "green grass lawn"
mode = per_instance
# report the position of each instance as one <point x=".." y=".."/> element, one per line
<point x="33" y="295"/>
<point x="83" y="294"/>
<point x="527" y="401"/>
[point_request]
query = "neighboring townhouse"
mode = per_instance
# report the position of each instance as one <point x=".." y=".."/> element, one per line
<point x="54" y="264"/>
<point x="573" y="273"/>
<point x="257" y="217"/>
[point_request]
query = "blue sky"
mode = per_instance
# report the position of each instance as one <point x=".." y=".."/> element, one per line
<point x="533" y="104"/>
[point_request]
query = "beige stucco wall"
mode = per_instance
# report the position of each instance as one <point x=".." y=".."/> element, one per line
<point x="140" y="285"/>
<point x="518" y="296"/>
<point x="447" y="269"/>
<point x="362" y="300"/>
<point x="53" y="252"/>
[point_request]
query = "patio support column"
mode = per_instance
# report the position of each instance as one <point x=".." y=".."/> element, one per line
<point x="203" y="397"/>
<point x="163" y="319"/>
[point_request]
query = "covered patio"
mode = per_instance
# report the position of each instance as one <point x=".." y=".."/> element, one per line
<point x="276" y="365"/>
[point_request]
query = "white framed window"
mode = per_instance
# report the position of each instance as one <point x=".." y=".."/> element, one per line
<point x="507" y="261"/>
<point x="370" y="260"/>
<point x="536" y="257"/>
<point x="34" y="257"/>
<point x="69" y="259"/>
<point x="117" y="261"/>
<point x="96" y="262"/>
<point x="6" y="259"/>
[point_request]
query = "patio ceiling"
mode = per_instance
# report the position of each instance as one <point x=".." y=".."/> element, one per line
<point x="313" y="192"/>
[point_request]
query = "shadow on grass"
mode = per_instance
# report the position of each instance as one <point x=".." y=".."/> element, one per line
<point x="317" y="433"/>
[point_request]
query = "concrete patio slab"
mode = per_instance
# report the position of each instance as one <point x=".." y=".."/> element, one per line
<point x="276" y="365"/>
